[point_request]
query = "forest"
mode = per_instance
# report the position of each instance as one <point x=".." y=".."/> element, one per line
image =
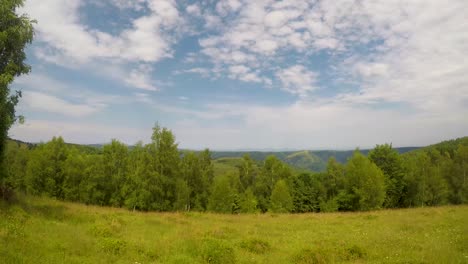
<point x="160" y="177"/>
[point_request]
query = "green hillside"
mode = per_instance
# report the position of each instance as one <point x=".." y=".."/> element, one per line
<point x="448" y="146"/>
<point x="312" y="160"/>
<point x="306" y="160"/>
<point x="226" y="165"/>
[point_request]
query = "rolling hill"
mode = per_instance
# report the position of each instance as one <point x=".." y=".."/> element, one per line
<point x="313" y="160"/>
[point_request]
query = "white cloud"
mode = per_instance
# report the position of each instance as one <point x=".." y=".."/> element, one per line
<point x="297" y="80"/>
<point x="140" y="78"/>
<point x="43" y="102"/>
<point x="125" y="4"/>
<point x="59" y="26"/>
<point x="43" y="93"/>
<point x="67" y="42"/>
<point x="193" y="10"/>
<point x="372" y="70"/>
<point x="401" y="66"/>
<point x="316" y="125"/>
<point x="37" y="130"/>
<point x="392" y="51"/>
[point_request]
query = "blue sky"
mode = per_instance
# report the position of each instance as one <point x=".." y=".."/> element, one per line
<point x="237" y="74"/>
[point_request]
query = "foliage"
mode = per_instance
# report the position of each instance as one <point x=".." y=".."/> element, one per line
<point x="281" y="200"/>
<point x="16" y="31"/>
<point x="159" y="177"/>
<point x="364" y="184"/>
<point x="222" y="195"/>
<point x="391" y="164"/>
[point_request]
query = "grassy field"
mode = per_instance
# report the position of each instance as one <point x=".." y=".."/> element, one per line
<point x="37" y="230"/>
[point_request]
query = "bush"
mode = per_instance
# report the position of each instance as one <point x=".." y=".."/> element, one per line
<point x="309" y="256"/>
<point x="113" y="245"/>
<point x="256" y="246"/>
<point x="217" y="252"/>
<point x="355" y="252"/>
<point x="329" y="206"/>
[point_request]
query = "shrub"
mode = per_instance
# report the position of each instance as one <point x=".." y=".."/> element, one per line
<point x="309" y="256"/>
<point x="217" y="252"/>
<point x="256" y="246"/>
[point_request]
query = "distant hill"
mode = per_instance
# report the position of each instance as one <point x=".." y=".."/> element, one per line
<point x="86" y="148"/>
<point x="313" y="160"/>
<point x="448" y="146"/>
<point x="306" y="160"/>
<point x="21" y="143"/>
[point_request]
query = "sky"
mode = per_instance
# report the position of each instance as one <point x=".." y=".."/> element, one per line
<point x="242" y="74"/>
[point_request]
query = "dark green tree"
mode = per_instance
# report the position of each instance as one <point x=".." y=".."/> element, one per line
<point x="142" y="189"/>
<point x="16" y="160"/>
<point x="307" y="193"/>
<point x="248" y="202"/>
<point x="207" y="175"/>
<point x="272" y="170"/>
<point x="424" y="180"/>
<point x="365" y="183"/>
<point x="281" y="200"/>
<point x="45" y="173"/>
<point x="222" y="195"/>
<point x="115" y="157"/>
<point x="391" y="164"/>
<point x="458" y="180"/>
<point x="247" y="172"/>
<point x="16" y="32"/>
<point x="167" y="163"/>
<point x="74" y="174"/>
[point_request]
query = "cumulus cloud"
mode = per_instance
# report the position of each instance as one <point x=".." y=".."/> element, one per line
<point x="297" y="80"/>
<point x="141" y="78"/>
<point x="66" y="41"/>
<point x="412" y="52"/>
<point x="43" y="102"/>
<point x="59" y="27"/>
<point x="37" y="130"/>
<point x="391" y="70"/>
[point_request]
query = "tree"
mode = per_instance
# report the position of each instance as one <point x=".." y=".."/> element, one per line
<point x="458" y="179"/>
<point x="16" y="31"/>
<point x="16" y="160"/>
<point x="425" y="183"/>
<point x="115" y="157"/>
<point x="333" y="180"/>
<point x="142" y="189"/>
<point x="93" y="186"/>
<point x="247" y="172"/>
<point x="207" y="175"/>
<point x="45" y="172"/>
<point x="307" y="192"/>
<point x="391" y="164"/>
<point x="167" y="163"/>
<point x="281" y="200"/>
<point x="248" y="202"/>
<point x="74" y="174"/>
<point x="222" y="195"/>
<point x="272" y="171"/>
<point x="365" y="183"/>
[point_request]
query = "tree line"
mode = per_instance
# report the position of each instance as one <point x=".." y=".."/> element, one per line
<point x="159" y="177"/>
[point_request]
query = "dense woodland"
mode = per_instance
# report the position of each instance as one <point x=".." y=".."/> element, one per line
<point x="160" y="177"/>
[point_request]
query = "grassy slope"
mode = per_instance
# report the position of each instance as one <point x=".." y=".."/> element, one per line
<point x="223" y="166"/>
<point x="306" y="160"/>
<point x="39" y="230"/>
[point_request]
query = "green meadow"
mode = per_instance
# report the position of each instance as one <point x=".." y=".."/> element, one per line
<point x="42" y="230"/>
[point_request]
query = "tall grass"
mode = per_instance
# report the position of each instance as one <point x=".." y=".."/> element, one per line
<point x="40" y="230"/>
